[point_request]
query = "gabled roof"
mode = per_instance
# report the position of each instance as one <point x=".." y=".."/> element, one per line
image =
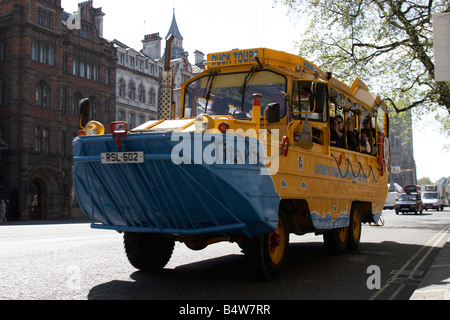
<point x="174" y="28"/>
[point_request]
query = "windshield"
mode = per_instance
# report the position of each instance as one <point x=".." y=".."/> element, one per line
<point x="408" y="197"/>
<point x="432" y="195"/>
<point x="232" y="94"/>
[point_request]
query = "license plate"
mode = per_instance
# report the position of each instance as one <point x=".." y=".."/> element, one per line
<point x="122" y="157"/>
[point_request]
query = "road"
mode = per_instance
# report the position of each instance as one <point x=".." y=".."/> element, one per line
<point x="72" y="261"/>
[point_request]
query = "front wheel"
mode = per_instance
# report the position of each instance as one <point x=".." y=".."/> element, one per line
<point x="269" y="252"/>
<point x="147" y="251"/>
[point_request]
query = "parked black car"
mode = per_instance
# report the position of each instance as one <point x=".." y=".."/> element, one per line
<point x="409" y="202"/>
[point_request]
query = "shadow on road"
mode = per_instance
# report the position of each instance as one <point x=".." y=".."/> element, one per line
<point x="311" y="274"/>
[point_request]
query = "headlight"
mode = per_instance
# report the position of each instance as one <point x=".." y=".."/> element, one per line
<point x="94" y="128"/>
<point x="203" y="123"/>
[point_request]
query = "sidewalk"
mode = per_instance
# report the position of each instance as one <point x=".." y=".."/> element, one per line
<point x="436" y="284"/>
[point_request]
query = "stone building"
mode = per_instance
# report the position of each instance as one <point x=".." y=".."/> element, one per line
<point x="138" y="74"/>
<point x="402" y="150"/>
<point x="45" y="69"/>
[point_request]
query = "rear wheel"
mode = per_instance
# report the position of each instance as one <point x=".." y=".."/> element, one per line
<point x="148" y="252"/>
<point x="354" y="232"/>
<point x="336" y="240"/>
<point x="269" y="252"/>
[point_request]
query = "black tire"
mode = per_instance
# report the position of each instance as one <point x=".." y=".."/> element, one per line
<point x="336" y="240"/>
<point x="269" y="252"/>
<point x="148" y="252"/>
<point x="354" y="229"/>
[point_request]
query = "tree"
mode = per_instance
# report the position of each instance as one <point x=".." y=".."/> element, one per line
<point x="424" y="181"/>
<point x="387" y="43"/>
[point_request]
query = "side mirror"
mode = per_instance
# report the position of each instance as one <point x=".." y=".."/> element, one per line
<point x="85" y="106"/>
<point x="273" y="112"/>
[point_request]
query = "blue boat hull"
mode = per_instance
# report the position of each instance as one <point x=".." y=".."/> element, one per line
<point x="159" y="196"/>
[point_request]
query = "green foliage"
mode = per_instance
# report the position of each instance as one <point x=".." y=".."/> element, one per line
<point x="424" y="181"/>
<point x="387" y="43"/>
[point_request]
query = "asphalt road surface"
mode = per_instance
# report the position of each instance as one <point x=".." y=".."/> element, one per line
<point x="72" y="261"/>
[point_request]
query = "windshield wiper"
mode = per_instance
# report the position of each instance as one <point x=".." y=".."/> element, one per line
<point x="244" y="88"/>
<point x="208" y="88"/>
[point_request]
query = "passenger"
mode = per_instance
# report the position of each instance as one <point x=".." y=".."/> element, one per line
<point x="336" y="137"/>
<point x="371" y="136"/>
<point x="365" y="145"/>
<point x="340" y="121"/>
<point x="352" y="135"/>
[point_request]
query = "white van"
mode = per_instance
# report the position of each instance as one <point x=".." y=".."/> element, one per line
<point x="390" y="200"/>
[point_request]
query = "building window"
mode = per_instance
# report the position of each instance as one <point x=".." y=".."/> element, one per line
<point x="89" y="72"/>
<point x="94" y="108"/>
<point x="121" y="115"/>
<point x="121" y="58"/>
<point x="82" y="69"/>
<point x="95" y="73"/>
<point x="132" y="90"/>
<point x="45" y="18"/>
<point x="131" y="120"/>
<point x="75" y="102"/>
<point x="75" y="67"/>
<point x="64" y="63"/>
<point x="3" y="51"/>
<point x="37" y="139"/>
<point x="141" y="94"/>
<point x="121" y="88"/>
<point x="152" y="97"/>
<point x="51" y="56"/>
<point x="46" y="140"/>
<point x="43" y="95"/>
<point x="107" y="76"/>
<point x="34" y="51"/>
<point x="107" y="112"/>
<point x="64" y="144"/>
<point x="86" y="32"/>
<point x="42" y="54"/>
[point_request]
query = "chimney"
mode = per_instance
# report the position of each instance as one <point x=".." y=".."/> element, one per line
<point x="152" y="45"/>
<point x="199" y="58"/>
<point x="99" y="21"/>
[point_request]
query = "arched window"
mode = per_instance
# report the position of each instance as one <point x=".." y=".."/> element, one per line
<point x="43" y="94"/>
<point x="34" y="51"/>
<point x="121" y="88"/>
<point x="75" y="102"/>
<point x="42" y="54"/>
<point x="132" y="90"/>
<point x="95" y="74"/>
<point x="46" y="140"/>
<point x="82" y="69"/>
<point x="94" y="108"/>
<point x="152" y="97"/>
<point x="51" y="56"/>
<point x="75" y="67"/>
<point x="141" y="93"/>
<point x="89" y="71"/>
<point x="37" y="139"/>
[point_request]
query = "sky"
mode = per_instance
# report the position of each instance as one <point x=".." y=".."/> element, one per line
<point x="218" y="25"/>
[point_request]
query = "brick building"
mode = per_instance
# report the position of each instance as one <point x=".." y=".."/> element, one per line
<point x="45" y="69"/>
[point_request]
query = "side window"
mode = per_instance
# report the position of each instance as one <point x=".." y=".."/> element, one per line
<point x="381" y="117"/>
<point x="309" y="98"/>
